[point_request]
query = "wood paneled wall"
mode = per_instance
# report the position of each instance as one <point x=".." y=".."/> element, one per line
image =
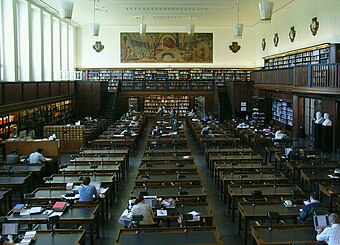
<point x="88" y="99"/>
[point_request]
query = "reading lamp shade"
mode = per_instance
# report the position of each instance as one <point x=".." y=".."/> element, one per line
<point x="94" y="29"/>
<point x="266" y="10"/>
<point x="238" y="30"/>
<point x="66" y="8"/>
<point x="190" y="29"/>
<point x="142" y="28"/>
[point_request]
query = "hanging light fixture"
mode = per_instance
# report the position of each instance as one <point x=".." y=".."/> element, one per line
<point x="66" y="8"/>
<point x="142" y="26"/>
<point x="238" y="27"/>
<point x="94" y="27"/>
<point x="266" y="11"/>
<point x="190" y="27"/>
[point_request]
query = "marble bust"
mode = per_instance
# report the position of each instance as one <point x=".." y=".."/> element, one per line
<point x="327" y="121"/>
<point x="319" y="119"/>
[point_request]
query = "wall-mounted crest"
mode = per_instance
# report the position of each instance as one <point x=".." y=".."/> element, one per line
<point x="276" y="39"/>
<point x="314" y="26"/>
<point x="98" y="46"/>
<point x="234" y="47"/>
<point x="263" y="44"/>
<point x="292" y="34"/>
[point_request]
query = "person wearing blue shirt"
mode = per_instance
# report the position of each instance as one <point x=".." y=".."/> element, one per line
<point x="13" y="157"/>
<point x="311" y="207"/>
<point x="87" y="191"/>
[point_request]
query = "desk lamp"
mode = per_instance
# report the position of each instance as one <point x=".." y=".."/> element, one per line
<point x="51" y="220"/>
<point x="8" y="168"/>
<point x="256" y="194"/>
<point x="137" y="219"/>
<point x="180" y="165"/>
<point x="63" y="167"/>
<point x="148" y="166"/>
<point x="185" y="218"/>
<point x="295" y="193"/>
<point x="180" y="176"/>
<point x="93" y="166"/>
<point x="49" y="180"/>
<point x="274" y="175"/>
<point x="82" y="151"/>
<point x="27" y="196"/>
<point x="146" y="178"/>
<point x="272" y="216"/>
<point x="74" y="158"/>
<point x="182" y="194"/>
<point x="242" y="176"/>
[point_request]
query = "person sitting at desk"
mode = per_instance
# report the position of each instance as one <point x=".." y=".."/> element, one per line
<point x="127" y="132"/>
<point x="156" y="131"/>
<point x="13" y="157"/>
<point x="140" y="208"/>
<point x="14" y="133"/>
<point x="87" y="191"/>
<point x="311" y="207"/>
<point x="37" y="157"/>
<point x="206" y="130"/>
<point x="10" y="241"/>
<point x="279" y="134"/>
<point x="331" y="235"/>
<point x="294" y="154"/>
<point x="134" y="122"/>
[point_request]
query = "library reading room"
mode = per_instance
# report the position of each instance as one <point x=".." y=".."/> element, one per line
<point x="154" y="122"/>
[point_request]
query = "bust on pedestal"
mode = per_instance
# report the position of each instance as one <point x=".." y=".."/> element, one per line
<point x="317" y="129"/>
<point x="326" y="134"/>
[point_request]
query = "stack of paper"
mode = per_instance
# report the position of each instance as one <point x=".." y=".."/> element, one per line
<point x="29" y="236"/>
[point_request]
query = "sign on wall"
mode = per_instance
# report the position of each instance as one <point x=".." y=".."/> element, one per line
<point x="166" y="48"/>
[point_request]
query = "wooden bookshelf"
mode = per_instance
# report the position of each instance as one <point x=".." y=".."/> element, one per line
<point x="282" y="111"/>
<point x="320" y="54"/>
<point x="179" y="103"/>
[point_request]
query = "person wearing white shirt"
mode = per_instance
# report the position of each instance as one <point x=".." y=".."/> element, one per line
<point x="140" y="208"/>
<point x="331" y="235"/>
<point x="37" y="157"/>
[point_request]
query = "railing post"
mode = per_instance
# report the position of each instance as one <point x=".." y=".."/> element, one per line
<point x="309" y="76"/>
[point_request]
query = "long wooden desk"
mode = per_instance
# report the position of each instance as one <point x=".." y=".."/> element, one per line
<point x="19" y="183"/>
<point x="161" y="179"/>
<point x="331" y="191"/>
<point x="226" y="151"/>
<point x="234" y="158"/>
<point x="311" y="179"/>
<point x="76" y="215"/>
<point x="182" y="159"/>
<point x="283" y="235"/>
<point x="249" y="212"/>
<point x="235" y="193"/>
<point x="167" y="151"/>
<point x="60" y="236"/>
<point x="169" y="236"/>
<point x="250" y="178"/>
<point x="196" y="193"/>
<point x="5" y="199"/>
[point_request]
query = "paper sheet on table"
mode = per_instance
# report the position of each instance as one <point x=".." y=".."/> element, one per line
<point x="194" y="213"/>
<point x="56" y="214"/>
<point x="161" y="212"/>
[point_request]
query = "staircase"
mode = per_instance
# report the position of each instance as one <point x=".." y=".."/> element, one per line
<point x="226" y="111"/>
<point x="108" y="109"/>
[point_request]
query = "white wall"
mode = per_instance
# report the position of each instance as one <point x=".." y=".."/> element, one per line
<point x="87" y="57"/>
<point x="298" y="13"/>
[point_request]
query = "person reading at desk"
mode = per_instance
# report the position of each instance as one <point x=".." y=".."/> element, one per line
<point x="127" y="132"/>
<point x="331" y="234"/>
<point x="37" y="157"/>
<point x="311" y="207"/>
<point x="140" y="208"/>
<point x="156" y="131"/>
<point x="87" y="191"/>
<point x="13" y="157"/>
<point x="8" y="241"/>
<point x="206" y="130"/>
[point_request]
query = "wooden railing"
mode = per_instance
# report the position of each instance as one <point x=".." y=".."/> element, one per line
<point x="312" y="76"/>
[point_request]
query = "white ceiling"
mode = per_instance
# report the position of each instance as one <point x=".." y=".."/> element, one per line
<point x="166" y="12"/>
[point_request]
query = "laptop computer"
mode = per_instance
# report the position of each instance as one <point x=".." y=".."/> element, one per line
<point x="10" y="229"/>
<point x="321" y="221"/>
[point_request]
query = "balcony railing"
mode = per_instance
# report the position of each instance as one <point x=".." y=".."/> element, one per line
<point x="312" y="76"/>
